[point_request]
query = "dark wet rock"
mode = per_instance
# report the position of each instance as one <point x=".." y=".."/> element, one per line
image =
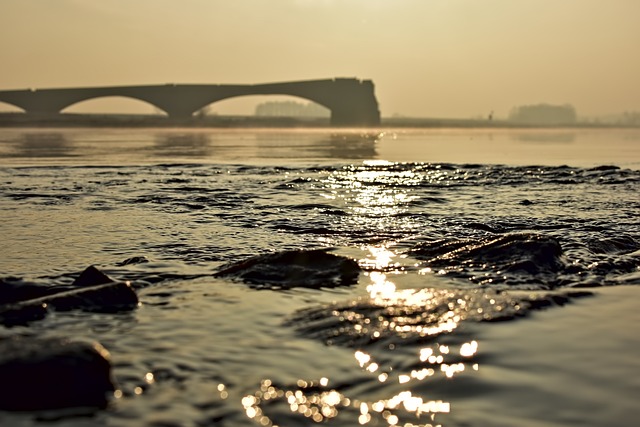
<point x="297" y="268"/>
<point x="46" y="374"/>
<point x="416" y="315"/>
<point x="23" y="302"/>
<point x="91" y="276"/>
<point x="510" y="258"/>
<point x="14" y="289"/>
<point x="22" y="314"/>
<point x="106" y="298"/>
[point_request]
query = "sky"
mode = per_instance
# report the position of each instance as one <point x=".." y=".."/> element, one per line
<point x="427" y="58"/>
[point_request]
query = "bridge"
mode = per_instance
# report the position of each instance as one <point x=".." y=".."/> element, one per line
<point x="352" y="102"/>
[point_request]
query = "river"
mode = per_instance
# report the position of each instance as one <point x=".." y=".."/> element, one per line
<point x="435" y="218"/>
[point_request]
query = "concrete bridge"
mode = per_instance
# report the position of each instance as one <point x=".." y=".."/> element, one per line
<point x="352" y="102"/>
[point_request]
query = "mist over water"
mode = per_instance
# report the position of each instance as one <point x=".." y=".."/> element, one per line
<point x="498" y="284"/>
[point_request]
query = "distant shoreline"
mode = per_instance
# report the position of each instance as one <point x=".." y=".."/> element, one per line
<point x="69" y="120"/>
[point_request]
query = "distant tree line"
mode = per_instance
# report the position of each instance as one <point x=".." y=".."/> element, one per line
<point x="630" y="118"/>
<point x="291" y="109"/>
<point x="544" y="114"/>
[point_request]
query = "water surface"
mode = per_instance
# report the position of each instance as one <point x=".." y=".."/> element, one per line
<point x="422" y="211"/>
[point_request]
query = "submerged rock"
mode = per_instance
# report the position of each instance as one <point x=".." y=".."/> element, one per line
<point x="45" y="374"/>
<point x="518" y="258"/>
<point x="415" y="315"/>
<point x="297" y="268"/>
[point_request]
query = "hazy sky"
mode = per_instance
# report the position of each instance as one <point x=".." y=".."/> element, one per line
<point x="436" y="58"/>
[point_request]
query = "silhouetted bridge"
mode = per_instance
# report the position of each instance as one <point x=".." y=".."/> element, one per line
<point x="352" y="102"/>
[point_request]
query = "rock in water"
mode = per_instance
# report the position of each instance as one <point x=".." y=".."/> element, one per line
<point x="22" y="314"/>
<point x="14" y="289"/>
<point x="297" y="268"/>
<point x="91" y="276"/>
<point x="53" y="373"/>
<point x="110" y="297"/>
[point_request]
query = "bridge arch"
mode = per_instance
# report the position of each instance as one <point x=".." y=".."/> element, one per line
<point x="8" y="107"/>
<point x="113" y="104"/>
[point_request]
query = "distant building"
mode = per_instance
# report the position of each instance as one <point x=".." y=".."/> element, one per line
<point x="544" y="114"/>
<point x="291" y="109"/>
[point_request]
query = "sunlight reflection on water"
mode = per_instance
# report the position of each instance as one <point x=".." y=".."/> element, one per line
<point x="410" y="311"/>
